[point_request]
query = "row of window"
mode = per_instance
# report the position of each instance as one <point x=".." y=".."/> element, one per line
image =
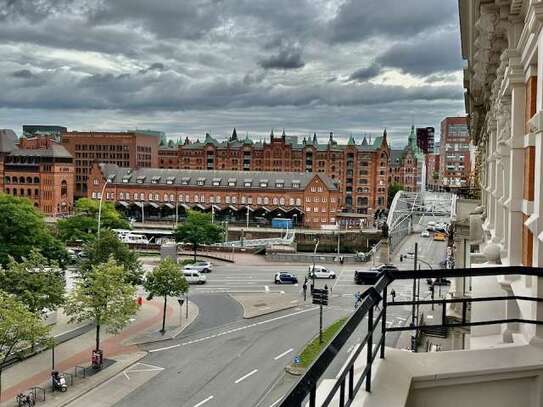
<point x="21" y="180"/>
<point x="316" y="209"/>
<point x="23" y="192"/>
<point x="322" y="220"/>
<point x="101" y="147"/>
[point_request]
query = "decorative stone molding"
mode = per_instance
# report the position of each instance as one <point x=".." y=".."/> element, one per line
<point x="535" y="124"/>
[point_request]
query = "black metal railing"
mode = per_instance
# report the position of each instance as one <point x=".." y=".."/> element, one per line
<point x="347" y="385"/>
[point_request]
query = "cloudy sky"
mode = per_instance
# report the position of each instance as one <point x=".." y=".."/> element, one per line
<point x="190" y="66"/>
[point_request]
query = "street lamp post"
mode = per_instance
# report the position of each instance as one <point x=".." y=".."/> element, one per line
<point x="248" y="210"/>
<point x="100" y="206"/>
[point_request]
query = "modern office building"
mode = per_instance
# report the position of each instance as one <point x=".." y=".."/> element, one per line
<point x="359" y="168"/>
<point x="425" y="139"/>
<point x="309" y="199"/>
<point x="126" y="149"/>
<point x="455" y="165"/>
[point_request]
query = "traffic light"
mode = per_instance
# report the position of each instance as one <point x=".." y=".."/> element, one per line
<point x="320" y="296"/>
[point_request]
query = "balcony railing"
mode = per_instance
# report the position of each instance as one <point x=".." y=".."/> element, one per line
<point x="346" y="385"/>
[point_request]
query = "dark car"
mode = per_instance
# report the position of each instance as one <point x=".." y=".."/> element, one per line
<point x="371" y="276"/>
<point x="285" y="278"/>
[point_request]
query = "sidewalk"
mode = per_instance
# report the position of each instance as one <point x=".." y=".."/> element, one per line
<point x="36" y="370"/>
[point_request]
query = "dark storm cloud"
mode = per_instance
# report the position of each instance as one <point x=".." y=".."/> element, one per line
<point x="439" y="52"/>
<point x="22" y="74"/>
<point x="359" y="20"/>
<point x="287" y="57"/>
<point x="365" y="74"/>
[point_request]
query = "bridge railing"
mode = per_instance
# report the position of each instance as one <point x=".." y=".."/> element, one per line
<point x="347" y="384"/>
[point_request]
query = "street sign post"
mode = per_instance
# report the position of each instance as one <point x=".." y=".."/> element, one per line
<point x="320" y="297"/>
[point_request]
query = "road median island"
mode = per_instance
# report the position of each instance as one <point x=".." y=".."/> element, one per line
<point x="259" y="303"/>
<point x="313" y="348"/>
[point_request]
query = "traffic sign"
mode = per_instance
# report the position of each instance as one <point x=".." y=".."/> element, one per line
<point x="320" y="296"/>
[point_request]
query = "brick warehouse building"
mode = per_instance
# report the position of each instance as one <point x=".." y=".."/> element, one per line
<point x="151" y="193"/>
<point x="407" y="165"/>
<point x="126" y="149"/>
<point x="39" y="169"/>
<point x="360" y="169"/>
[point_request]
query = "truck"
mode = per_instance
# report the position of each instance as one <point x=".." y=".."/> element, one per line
<point x="281" y="223"/>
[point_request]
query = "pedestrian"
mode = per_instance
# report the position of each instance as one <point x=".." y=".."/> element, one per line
<point x="305" y="290"/>
<point x="357" y="299"/>
<point x="393" y="294"/>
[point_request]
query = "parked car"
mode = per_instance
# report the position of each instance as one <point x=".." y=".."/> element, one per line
<point x="369" y="277"/>
<point x="201" y="266"/>
<point x="321" y="272"/>
<point x="425" y="233"/>
<point x="438" y="236"/>
<point x="285" y="278"/>
<point x="194" y="277"/>
<point x="409" y="255"/>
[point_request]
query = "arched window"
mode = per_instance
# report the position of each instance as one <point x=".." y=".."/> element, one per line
<point x="7" y="180"/>
<point x="266" y="200"/>
<point x="21" y="180"/>
<point x="28" y="192"/>
<point x="14" y="191"/>
<point x="7" y="190"/>
<point x="14" y="180"/>
<point x="291" y="202"/>
<point x="362" y="201"/>
<point x="63" y="189"/>
<point x="36" y="192"/>
<point x="29" y="180"/>
<point x="36" y="180"/>
<point x="281" y="201"/>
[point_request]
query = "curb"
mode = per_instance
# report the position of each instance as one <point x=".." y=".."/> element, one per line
<point x="169" y="336"/>
<point x="137" y="357"/>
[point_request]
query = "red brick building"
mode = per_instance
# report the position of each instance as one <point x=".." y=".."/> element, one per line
<point x="406" y="165"/>
<point x="360" y="169"/>
<point x="455" y="164"/>
<point x="39" y="169"/>
<point x="126" y="149"/>
<point x="155" y="194"/>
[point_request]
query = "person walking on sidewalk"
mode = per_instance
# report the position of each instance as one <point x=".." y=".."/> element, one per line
<point x="304" y="287"/>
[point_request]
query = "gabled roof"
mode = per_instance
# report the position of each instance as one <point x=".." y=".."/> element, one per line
<point x="191" y="177"/>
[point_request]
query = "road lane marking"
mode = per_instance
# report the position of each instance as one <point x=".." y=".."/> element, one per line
<point x="201" y="403"/>
<point x="242" y="378"/>
<point x="276" y="402"/>
<point x="293" y="301"/>
<point x="283" y="354"/>
<point x="241" y="328"/>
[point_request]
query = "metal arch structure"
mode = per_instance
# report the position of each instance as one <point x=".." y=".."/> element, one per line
<point x="409" y="209"/>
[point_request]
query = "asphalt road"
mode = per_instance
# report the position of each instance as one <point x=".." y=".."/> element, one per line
<point x="225" y="360"/>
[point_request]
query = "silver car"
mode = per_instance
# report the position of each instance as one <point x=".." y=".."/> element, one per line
<point x="200" y="266"/>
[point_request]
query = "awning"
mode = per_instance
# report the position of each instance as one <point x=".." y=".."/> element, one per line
<point x="232" y="207"/>
<point x="169" y="205"/>
<point x="264" y="209"/>
<point x="185" y="206"/>
<point x="216" y="208"/>
<point x="123" y="203"/>
<point x="154" y="205"/>
<point x="202" y="207"/>
<point x="281" y="209"/>
<point x="249" y="209"/>
<point x="140" y="204"/>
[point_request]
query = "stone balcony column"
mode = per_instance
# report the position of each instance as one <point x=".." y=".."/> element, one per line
<point x="515" y="78"/>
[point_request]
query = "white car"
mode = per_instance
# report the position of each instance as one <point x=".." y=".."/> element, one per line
<point x="425" y="233"/>
<point x="321" y="272"/>
<point x="194" y="277"/>
<point x="201" y="266"/>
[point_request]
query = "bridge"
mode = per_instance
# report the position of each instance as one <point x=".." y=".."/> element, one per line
<point x="411" y="211"/>
<point x="286" y="239"/>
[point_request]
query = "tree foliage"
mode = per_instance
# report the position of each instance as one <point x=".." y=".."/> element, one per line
<point x="197" y="230"/>
<point x="83" y="225"/>
<point x="166" y="280"/>
<point x="20" y="329"/>
<point x="105" y="297"/>
<point x="109" y="246"/>
<point x="393" y="188"/>
<point x="35" y="281"/>
<point x="22" y="228"/>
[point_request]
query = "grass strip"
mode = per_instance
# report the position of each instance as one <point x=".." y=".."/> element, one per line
<point x="313" y="348"/>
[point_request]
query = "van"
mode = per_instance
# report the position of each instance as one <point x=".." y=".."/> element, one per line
<point x="194" y="277"/>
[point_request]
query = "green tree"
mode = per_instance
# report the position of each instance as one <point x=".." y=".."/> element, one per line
<point x="197" y="230"/>
<point x="165" y="280"/>
<point x="22" y="228"/>
<point x="103" y="296"/>
<point x="35" y="281"/>
<point x="20" y="328"/>
<point x="393" y="188"/>
<point x="83" y="225"/>
<point x="101" y="250"/>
